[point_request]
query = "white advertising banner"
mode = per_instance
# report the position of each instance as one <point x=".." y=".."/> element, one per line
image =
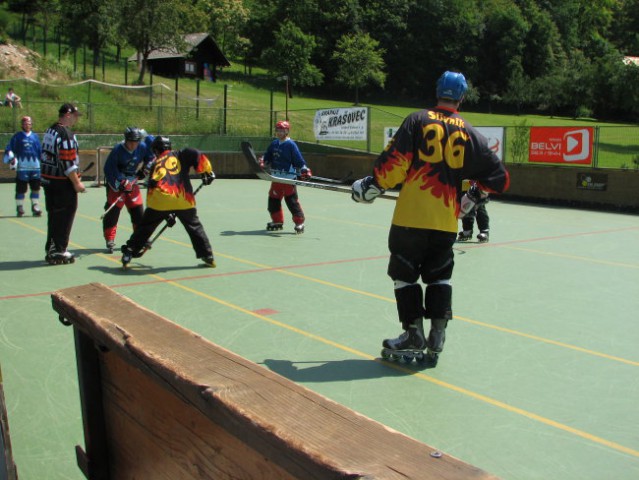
<point x="340" y="124"/>
<point x="389" y="132"/>
<point x="495" y="137"/>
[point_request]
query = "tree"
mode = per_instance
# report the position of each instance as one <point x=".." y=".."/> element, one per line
<point x="291" y="56"/>
<point x="157" y="24"/>
<point x="360" y="62"/>
<point x="90" y="22"/>
<point x="504" y="37"/>
<point x="227" y="19"/>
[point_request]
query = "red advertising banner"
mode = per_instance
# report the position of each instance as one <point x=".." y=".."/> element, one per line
<point x="564" y="145"/>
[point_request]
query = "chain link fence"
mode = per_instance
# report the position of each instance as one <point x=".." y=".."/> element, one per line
<point x="205" y="122"/>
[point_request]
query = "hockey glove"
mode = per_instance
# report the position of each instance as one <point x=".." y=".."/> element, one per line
<point x="126" y="185"/>
<point x="140" y="174"/>
<point x="471" y="199"/>
<point x="365" y="190"/>
<point x="207" y="178"/>
<point x="305" y="173"/>
<point x="170" y="220"/>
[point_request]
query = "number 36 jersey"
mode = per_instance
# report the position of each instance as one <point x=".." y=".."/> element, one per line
<point x="429" y="156"/>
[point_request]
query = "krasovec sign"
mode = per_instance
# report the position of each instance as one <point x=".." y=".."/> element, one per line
<point x="563" y="145"/>
<point x="341" y="124"/>
<point x="494" y="136"/>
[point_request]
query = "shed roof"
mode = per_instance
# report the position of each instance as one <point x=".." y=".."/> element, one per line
<point x="192" y="40"/>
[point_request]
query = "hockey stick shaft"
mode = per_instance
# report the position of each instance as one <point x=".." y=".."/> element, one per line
<point x="249" y="153"/>
<point x="331" y="180"/>
<point x="112" y="206"/>
<point x="87" y="168"/>
<point x="167" y="224"/>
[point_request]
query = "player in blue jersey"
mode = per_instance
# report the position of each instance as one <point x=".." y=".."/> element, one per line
<point x="23" y="155"/>
<point x="121" y="174"/>
<point x="285" y="160"/>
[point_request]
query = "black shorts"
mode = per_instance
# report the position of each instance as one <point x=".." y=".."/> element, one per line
<point x="419" y="252"/>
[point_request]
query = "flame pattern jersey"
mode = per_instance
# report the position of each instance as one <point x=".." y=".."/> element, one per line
<point x="429" y="156"/>
<point x="170" y="187"/>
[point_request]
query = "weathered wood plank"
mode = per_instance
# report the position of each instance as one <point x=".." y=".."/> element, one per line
<point x="219" y="407"/>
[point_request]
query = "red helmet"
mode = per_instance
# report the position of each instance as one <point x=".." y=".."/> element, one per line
<point x="282" y="125"/>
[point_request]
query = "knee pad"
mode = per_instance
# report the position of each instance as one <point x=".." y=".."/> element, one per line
<point x="438" y="301"/>
<point x="409" y="302"/>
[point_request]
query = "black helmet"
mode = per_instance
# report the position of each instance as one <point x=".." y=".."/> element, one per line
<point x="160" y="144"/>
<point x="132" y="134"/>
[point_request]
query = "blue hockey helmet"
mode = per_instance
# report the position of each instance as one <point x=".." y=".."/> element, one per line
<point x="451" y="85"/>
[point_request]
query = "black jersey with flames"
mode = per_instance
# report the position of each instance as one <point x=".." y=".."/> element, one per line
<point x="430" y="154"/>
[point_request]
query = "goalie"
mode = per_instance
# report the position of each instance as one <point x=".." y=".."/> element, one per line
<point x="430" y="155"/>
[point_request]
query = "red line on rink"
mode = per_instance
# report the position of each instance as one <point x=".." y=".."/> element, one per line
<point x="458" y="246"/>
<point x="212" y="275"/>
<point x="543" y="239"/>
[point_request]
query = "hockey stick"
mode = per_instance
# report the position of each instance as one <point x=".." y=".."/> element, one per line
<point x="167" y="224"/>
<point x="343" y="181"/>
<point x="87" y="168"/>
<point x="254" y="165"/>
<point x="111" y="206"/>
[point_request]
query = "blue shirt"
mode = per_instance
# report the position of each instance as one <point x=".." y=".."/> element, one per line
<point x="27" y="150"/>
<point x="122" y="164"/>
<point x="284" y="157"/>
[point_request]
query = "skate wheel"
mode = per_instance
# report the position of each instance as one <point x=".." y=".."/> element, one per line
<point x="405" y="359"/>
<point x="386" y="355"/>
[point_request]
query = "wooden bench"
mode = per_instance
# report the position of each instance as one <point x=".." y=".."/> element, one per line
<point x="161" y="402"/>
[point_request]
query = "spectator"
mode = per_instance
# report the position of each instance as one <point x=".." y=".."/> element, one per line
<point x="12" y="99"/>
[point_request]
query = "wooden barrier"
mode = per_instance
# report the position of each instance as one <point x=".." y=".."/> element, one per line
<point x="160" y="402"/>
<point x="8" y="470"/>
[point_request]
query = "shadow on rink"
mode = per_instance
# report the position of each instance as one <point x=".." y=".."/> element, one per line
<point x="340" y="370"/>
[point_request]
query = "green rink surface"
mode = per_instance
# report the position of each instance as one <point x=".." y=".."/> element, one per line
<point x="539" y="378"/>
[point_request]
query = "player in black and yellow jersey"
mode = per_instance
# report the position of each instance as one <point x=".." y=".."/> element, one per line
<point x="429" y="156"/>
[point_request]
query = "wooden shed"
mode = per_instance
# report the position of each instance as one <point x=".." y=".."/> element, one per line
<point x="200" y="59"/>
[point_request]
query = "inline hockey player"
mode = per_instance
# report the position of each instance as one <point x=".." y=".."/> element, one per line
<point x="284" y="159"/>
<point x="170" y="196"/>
<point x="23" y="155"/>
<point x="429" y="155"/>
<point x="121" y="176"/>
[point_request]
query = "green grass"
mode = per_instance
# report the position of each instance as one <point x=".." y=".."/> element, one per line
<point x="252" y="104"/>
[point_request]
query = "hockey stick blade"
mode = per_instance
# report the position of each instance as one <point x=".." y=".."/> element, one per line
<point x="88" y="167"/>
<point x="254" y="165"/>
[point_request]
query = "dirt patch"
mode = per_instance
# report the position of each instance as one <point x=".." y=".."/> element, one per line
<point x="18" y="62"/>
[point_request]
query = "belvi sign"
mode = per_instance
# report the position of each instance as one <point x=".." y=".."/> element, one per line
<point x="561" y="145"/>
<point x="341" y="124"/>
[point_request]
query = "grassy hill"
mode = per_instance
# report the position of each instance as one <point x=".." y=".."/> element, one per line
<point x="237" y="104"/>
